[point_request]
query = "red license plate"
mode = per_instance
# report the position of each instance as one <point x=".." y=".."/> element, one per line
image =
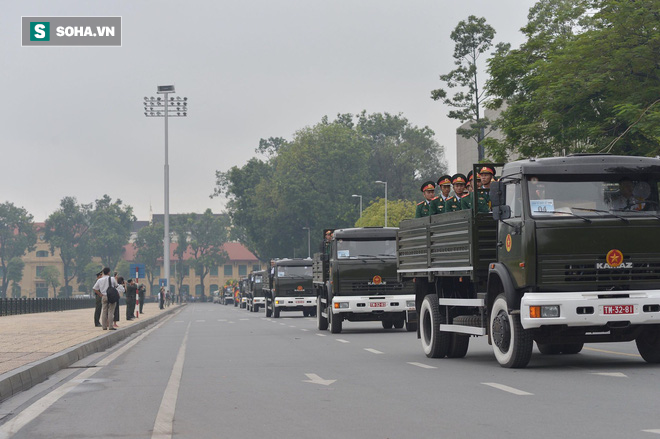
<point x="618" y="309"/>
<point x="377" y="304"/>
<point x="300" y="301"/>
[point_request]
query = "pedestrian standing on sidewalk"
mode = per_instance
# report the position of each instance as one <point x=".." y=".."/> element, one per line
<point x="161" y="298"/>
<point x="99" y="304"/>
<point x="131" y="293"/>
<point x="142" y="290"/>
<point x="116" y="317"/>
<point x="108" y="309"/>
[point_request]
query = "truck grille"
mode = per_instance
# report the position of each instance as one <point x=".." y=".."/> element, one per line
<point x="363" y="287"/>
<point x="640" y="269"/>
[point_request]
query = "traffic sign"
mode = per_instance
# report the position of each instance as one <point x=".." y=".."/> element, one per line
<point x="140" y="268"/>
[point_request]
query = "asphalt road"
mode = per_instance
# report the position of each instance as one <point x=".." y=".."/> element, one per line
<point x="214" y="371"/>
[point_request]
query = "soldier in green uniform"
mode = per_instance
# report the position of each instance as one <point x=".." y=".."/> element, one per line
<point x="439" y="202"/>
<point x="454" y="203"/>
<point x="426" y="207"/>
<point x="486" y="174"/>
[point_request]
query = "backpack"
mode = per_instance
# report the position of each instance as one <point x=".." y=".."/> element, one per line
<point x="112" y="293"/>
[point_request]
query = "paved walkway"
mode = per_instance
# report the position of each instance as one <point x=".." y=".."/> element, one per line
<point x="27" y="338"/>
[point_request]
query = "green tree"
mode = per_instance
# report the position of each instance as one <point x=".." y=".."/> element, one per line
<point x="15" y="269"/>
<point x="51" y="275"/>
<point x="149" y="243"/>
<point x="123" y="269"/>
<point x="66" y="230"/>
<point x="110" y="230"/>
<point x="586" y="80"/>
<point x="397" y="210"/>
<point x="472" y="37"/>
<point x="87" y="277"/>
<point x="17" y="237"/>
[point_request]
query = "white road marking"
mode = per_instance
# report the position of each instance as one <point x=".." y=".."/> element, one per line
<point x="508" y="389"/>
<point x="611" y="374"/>
<point x="222" y="320"/>
<point x="178" y="321"/>
<point x="164" y="425"/>
<point x="291" y="326"/>
<point x="306" y="330"/>
<point x="423" y="366"/>
<point x="321" y="335"/>
<point x="200" y="321"/>
<point x="652" y="431"/>
<point x="373" y="351"/>
<point x="243" y="320"/>
<point x="315" y="379"/>
<point x="341" y="340"/>
<point x="31" y="412"/>
<point x="283" y="324"/>
<point x="612" y="352"/>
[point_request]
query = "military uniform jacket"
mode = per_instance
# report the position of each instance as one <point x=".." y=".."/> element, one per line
<point x="426" y="208"/>
<point x="439" y="205"/>
<point x="483" y="201"/>
<point x="453" y="203"/>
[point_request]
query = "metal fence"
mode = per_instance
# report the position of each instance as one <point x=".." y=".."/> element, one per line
<point x="10" y="307"/>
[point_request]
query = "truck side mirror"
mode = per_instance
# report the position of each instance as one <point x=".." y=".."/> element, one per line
<point x="501" y="210"/>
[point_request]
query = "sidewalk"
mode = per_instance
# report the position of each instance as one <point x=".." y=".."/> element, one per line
<point x="33" y="346"/>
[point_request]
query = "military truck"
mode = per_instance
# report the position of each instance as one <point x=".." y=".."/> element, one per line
<point x="290" y="287"/>
<point x="356" y="280"/>
<point x="256" y="296"/>
<point x="569" y="255"/>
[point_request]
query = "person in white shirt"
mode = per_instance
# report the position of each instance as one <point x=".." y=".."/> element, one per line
<point x="107" y="309"/>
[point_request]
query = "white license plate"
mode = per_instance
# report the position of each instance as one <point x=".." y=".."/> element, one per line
<point x="618" y="309"/>
<point x="377" y="304"/>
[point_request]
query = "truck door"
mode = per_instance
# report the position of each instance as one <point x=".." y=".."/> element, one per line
<point x="510" y="236"/>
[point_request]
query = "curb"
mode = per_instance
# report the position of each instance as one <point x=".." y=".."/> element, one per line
<point x="30" y="375"/>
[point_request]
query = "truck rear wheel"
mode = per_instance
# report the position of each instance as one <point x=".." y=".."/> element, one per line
<point x="398" y="324"/>
<point x="434" y="342"/>
<point x="648" y="344"/>
<point x="549" y="349"/>
<point x="335" y="323"/>
<point x="411" y="326"/>
<point x="387" y="324"/>
<point x="276" y="312"/>
<point x="321" y="322"/>
<point x="269" y="312"/>
<point x="512" y="344"/>
<point x="459" y="346"/>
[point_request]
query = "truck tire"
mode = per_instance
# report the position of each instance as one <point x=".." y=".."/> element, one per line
<point x="387" y="324"/>
<point x="571" y="348"/>
<point x="435" y="343"/>
<point x="548" y="348"/>
<point x="276" y="312"/>
<point x="321" y="322"/>
<point x="458" y="346"/>
<point x="648" y="344"/>
<point x="411" y="326"/>
<point x="512" y="344"/>
<point x="335" y="323"/>
<point x="398" y="324"/>
<point x="269" y="312"/>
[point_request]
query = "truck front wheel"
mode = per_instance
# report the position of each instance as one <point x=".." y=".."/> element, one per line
<point x="335" y="322"/>
<point x="434" y="342"/>
<point x="512" y="344"/>
<point x="276" y="312"/>
<point x="269" y="311"/>
<point x="648" y="344"/>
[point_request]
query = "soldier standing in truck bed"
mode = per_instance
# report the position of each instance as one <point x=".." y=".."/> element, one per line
<point x="486" y="174"/>
<point x="426" y="207"/>
<point x="454" y="203"/>
<point x="444" y="183"/>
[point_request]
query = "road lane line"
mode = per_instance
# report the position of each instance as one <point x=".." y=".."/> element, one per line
<point x="306" y="330"/>
<point x="508" y="389"/>
<point x="612" y="352"/>
<point x="652" y="431"/>
<point x="373" y="351"/>
<point x="321" y="335"/>
<point x="31" y="412"/>
<point x="422" y="365"/>
<point x="611" y="374"/>
<point x="341" y="340"/>
<point x="163" y="427"/>
<point x="291" y="326"/>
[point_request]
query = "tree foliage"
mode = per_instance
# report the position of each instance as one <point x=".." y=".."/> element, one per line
<point x="397" y="210"/>
<point x="66" y="230"/>
<point x="586" y="80"/>
<point x="472" y="37"/>
<point x="17" y="237"/>
<point x="51" y="276"/>
<point x="15" y="269"/>
<point x="308" y="181"/>
<point x="149" y="243"/>
<point x="110" y="229"/>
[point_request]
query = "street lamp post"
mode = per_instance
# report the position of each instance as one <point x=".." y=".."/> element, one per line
<point x="385" y="183"/>
<point x="360" y="197"/>
<point x="160" y="107"/>
<point x="309" y="248"/>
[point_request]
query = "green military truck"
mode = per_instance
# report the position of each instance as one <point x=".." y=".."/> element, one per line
<point x="356" y="280"/>
<point x="256" y="297"/>
<point x="290" y="287"/>
<point x="569" y="255"/>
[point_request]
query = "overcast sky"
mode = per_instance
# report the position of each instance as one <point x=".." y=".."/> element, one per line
<point x="72" y="117"/>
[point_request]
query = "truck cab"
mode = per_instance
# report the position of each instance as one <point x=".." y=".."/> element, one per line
<point x="256" y="297"/>
<point x="290" y="287"/>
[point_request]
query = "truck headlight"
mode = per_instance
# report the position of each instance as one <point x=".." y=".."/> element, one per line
<point x="544" y="312"/>
<point x="410" y="303"/>
<point x="339" y="305"/>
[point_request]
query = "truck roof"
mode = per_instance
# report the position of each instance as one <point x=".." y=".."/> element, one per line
<point x="293" y="262"/>
<point x="584" y="164"/>
<point x="366" y="232"/>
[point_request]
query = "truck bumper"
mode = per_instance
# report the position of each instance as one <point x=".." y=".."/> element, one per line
<point x="373" y="304"/>
<point x="295" y="303"/>
<point x="258" y="300"/>
<point x="593" y="308"/>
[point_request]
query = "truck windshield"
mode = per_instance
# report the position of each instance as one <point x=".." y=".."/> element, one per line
<point x="363" y="249"/>
<point x="294" y="271"/>
<point x="593" y="197"/>
<point x="257" y="279"/>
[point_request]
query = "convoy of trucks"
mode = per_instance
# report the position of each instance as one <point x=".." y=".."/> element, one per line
<point x="566" y="255"/>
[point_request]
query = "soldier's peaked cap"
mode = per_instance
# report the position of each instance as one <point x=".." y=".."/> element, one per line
<point x="458" y="178"/>
<point x="486" y="170"/>
<point x="445" y="179"/>
<point x="427" y="185"/>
